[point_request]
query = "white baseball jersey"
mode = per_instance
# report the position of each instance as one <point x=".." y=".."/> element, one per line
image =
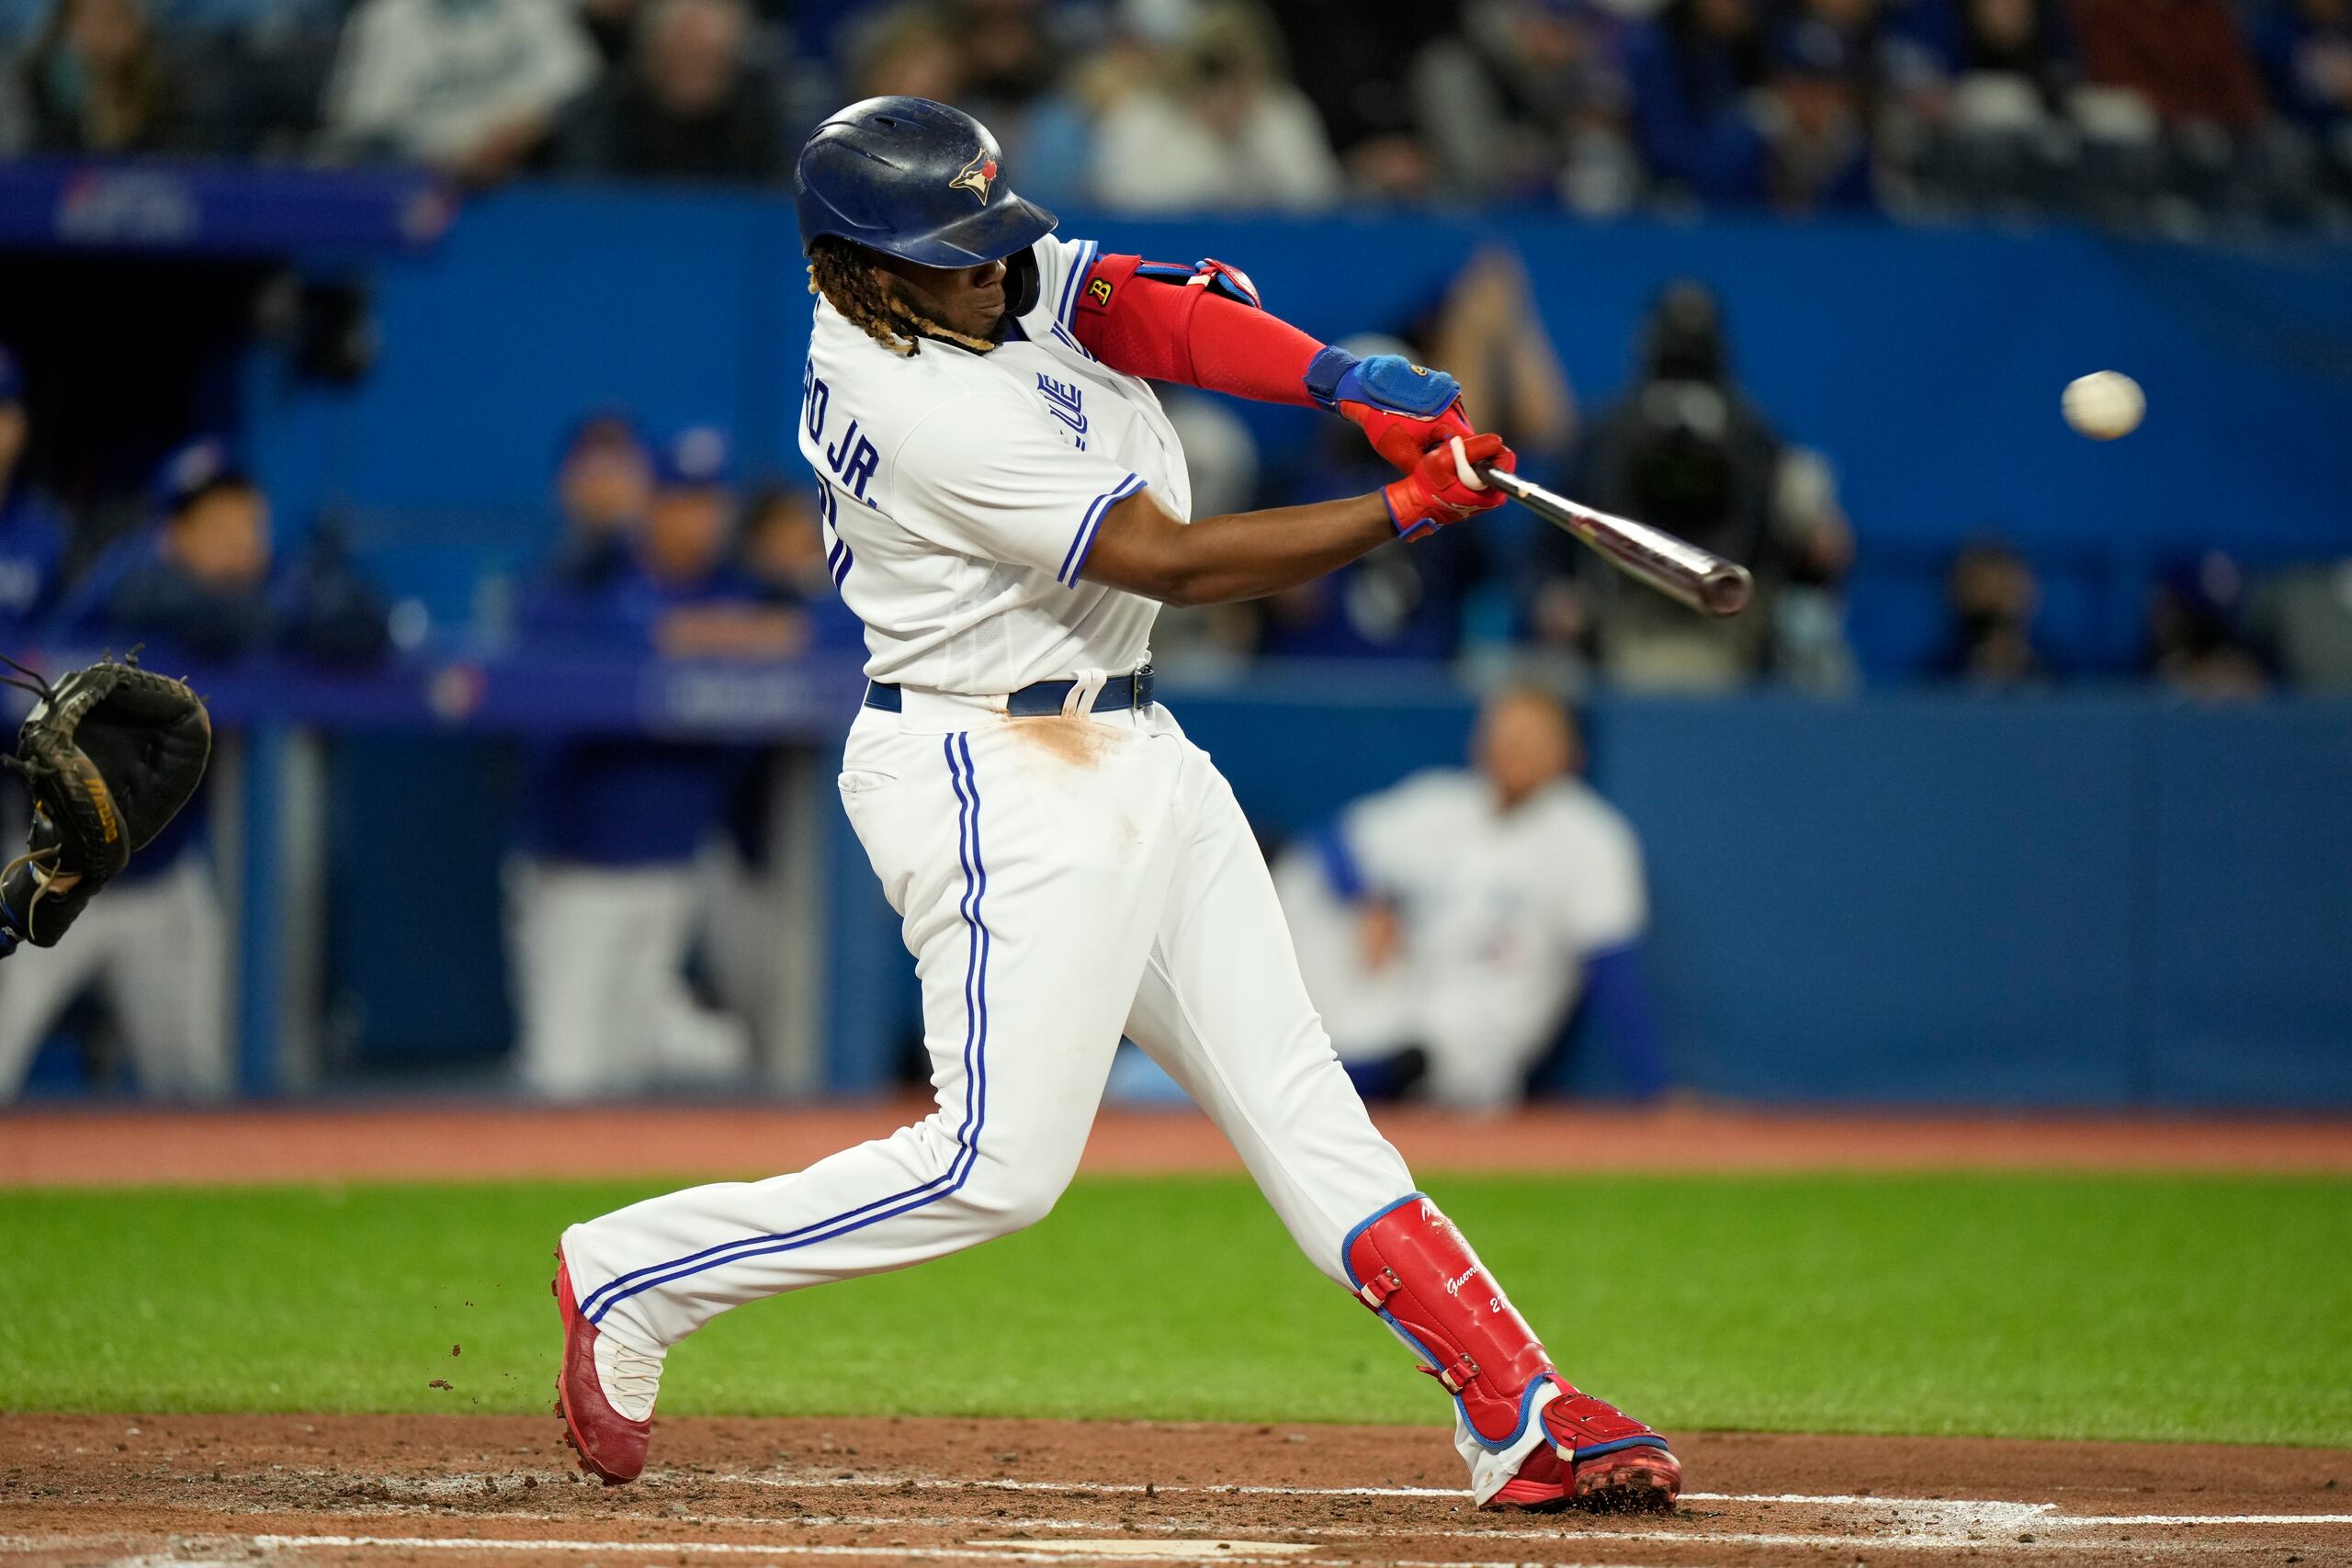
<point x="961" y="491"/>
<point x="1499" y="911"/>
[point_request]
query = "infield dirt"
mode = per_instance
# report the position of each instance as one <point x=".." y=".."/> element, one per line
<point x="371" y="1491"/>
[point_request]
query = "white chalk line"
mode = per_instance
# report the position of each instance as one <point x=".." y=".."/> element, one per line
<point x="975" y="1551"/>
<point x="1004" y="1484"/>
<point x="1939" y="1524"/>
<point x="1945" y="1520"/>
<point x="1995" y="1512"/>
<point x="1950" y="1524"/>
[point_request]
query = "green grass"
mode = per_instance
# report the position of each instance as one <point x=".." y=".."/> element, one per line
<point x="2062" y="1306"/>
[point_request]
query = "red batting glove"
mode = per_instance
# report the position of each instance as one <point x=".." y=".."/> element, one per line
<point x="1443" y="486"/>
<point x="1402" y="438"/>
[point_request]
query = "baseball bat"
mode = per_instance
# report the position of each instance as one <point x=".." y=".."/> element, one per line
<point x="1676" y="567"/>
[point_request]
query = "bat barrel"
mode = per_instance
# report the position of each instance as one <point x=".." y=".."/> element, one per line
<point x="1676" y="567"/>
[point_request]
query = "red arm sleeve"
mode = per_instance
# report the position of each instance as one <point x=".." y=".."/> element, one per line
<point x="1166" y="332"/>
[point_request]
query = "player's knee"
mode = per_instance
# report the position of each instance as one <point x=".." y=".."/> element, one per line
<point x="1011" y="1198"/>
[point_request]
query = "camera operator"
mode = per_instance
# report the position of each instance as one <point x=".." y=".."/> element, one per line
<point x="1686" y="451"/>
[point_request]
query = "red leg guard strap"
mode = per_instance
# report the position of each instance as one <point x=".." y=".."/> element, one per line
<point x="1411" y="1266"/>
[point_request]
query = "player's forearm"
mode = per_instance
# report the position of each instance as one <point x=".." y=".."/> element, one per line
<point x="1242" y="555"/>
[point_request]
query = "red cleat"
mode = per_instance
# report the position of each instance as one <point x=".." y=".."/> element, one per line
<point x="604" y="1390"/>
<point x="1599" y="1459"/>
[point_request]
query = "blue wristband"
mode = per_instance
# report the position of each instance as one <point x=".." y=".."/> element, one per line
<point x="1386" y="381"/>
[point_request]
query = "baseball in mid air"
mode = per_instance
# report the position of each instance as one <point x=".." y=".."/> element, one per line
<point x="2104" y="404"/>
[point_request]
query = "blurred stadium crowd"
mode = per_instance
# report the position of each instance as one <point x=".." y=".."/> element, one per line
<point x="635" y="860"/>
<point x="2166" y="113"/>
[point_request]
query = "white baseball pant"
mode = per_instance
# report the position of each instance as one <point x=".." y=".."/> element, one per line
<point x="1061" y="881"/>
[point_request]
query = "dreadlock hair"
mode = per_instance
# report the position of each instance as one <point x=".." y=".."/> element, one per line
<point x="840" y="271"/>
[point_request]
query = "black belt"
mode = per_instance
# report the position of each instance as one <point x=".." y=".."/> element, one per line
<point x="1045" y="697"/>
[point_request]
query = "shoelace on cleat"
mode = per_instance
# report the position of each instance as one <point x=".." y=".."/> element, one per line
<point x="631" y="1378"/>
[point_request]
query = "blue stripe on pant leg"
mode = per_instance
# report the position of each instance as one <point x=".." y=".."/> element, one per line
<point x="987" y="943"/>
<point x="604" y="1297"/>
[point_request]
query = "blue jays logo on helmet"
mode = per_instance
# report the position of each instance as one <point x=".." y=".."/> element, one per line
<point x="978" y="176"/>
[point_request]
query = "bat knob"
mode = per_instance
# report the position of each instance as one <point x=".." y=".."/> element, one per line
<point x="1726" y="591"/>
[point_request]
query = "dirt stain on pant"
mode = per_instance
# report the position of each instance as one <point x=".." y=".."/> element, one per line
<point x="1080" y="742"/>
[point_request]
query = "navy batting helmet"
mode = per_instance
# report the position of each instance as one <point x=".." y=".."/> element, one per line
<point x="916" y="180"/>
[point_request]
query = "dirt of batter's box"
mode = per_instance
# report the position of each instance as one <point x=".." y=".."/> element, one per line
<point x="373" y="1489"/>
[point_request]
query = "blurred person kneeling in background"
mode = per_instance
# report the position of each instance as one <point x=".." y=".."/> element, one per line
<point x="604" y="892"/>
<point x="1447" y="927"/>
<point x="196" y="587"/>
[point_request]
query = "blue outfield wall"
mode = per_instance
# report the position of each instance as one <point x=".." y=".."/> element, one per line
<point x="2093" y="899"/>
<point x="1928" y="363"/>
<point x="2073" y="901"/>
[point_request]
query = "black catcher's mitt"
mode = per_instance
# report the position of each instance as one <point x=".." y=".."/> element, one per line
<point x="110" y="752"/>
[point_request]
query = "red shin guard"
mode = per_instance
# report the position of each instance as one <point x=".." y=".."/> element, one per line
<point x="1411" y="1266"/>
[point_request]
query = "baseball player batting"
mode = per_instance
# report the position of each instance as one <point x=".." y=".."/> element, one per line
<point x="1004" y="503"/>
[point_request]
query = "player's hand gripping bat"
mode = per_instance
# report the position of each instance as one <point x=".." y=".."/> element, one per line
<point x="1676" y="567"/>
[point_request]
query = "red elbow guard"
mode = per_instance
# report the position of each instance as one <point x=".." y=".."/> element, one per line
<point x="1160" y="324"/>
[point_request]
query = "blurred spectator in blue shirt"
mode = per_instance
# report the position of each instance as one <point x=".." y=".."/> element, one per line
<point x="32" y="530"/>
<point x="604" y="482"/>
<point x="1692" y="70"/>
<point x="784" y="553"/>
<point x="98" y="81"/>
<point x="604" y="890"/>
<point x="687" y="106"/>
<point x="199" y="584"/>
<point x="1826" y="91"/>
